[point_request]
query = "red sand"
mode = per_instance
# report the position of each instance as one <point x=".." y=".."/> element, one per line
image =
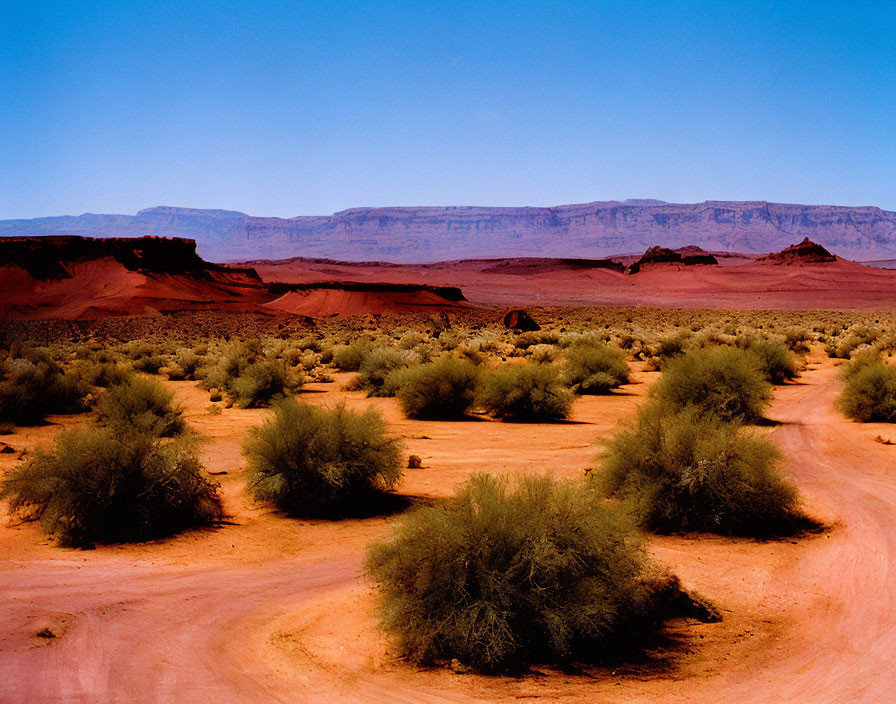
<point x="101" y="287"/>
<point x="274" y="609"/>
<point x="752" y="285"/>
<point x="329" y="301"/>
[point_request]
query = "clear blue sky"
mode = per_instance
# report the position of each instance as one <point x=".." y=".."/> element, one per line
<point x="294" y="108"/>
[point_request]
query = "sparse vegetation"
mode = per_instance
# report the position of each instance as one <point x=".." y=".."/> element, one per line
<point x="774" y="359"/>
<point x="314" y="462"/>
<point x="691" y="471"/>
<point x="500" y="577"/>
<point x="525" y="392"/>
<point x="139" y="404"/>
<point x="380" y="367"/>
<point x="98" y="486"/>
<point x="724" y="381"/>
<point x="249" y="377"/>
<point x="35" y="386"/>
<point x="869" y="390"/>
<point x="595" y="368"/>
<point x="441" y="390"/>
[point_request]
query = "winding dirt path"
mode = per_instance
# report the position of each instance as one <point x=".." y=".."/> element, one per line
<point x="813" y="622"/>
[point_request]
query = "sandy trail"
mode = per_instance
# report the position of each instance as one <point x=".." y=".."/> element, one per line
<point x="136" y="625"/>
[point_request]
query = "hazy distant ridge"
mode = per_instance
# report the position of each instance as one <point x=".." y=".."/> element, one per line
<point x="419" y="234"/>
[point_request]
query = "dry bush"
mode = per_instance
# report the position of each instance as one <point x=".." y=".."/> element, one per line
<point x="314" y="462"/>
<point x="441" y="390"/>
<point x="869" y="390"/>
<point x="724" y="381"/>
<point x="32" y="388"/>
<point x="138" y="404"/>
<point x="98" y="486"/>
<point x="250" y="378"/>
<point x="501" y="577"/>
<point x="348" y="358"/>
<point x="689" y="471"/>
<point x="379" y="366"/>
<point x="524" y="392"/>
<point x="775" y="360"/>
<point x="594" y="368"/>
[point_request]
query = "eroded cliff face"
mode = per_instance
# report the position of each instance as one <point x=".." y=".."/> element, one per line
<point x="442" y="233"/>
<point x="47" y="258"/>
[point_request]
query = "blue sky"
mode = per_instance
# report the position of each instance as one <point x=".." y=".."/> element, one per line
<point x="292" y="108"/>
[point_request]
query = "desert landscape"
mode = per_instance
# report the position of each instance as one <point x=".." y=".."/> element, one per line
<point x="447" y="352"/>
<point x="270" y="604"/>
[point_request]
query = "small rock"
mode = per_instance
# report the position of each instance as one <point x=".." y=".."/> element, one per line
<point x="414" y="462"/>
<point x="214" y="395"/>
<point x="459" y="668"/>
<point x="5" y="449"/>
<point x="520" y="321"/>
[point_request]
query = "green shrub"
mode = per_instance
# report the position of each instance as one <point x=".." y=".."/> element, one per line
<point x="142" y="405"/>
<point x="348" y="358"/>
<point x="725" y="381"/>
<point x="689" y="471"/>
<point x="595" y="368"/>
<point x="849" y="341"/>
<point x="869" y="390"/>
<point x="249" y="377"/>
<point x="261" y="383"/>
<point x="797" y="340"/>
<point x="670" y="347"/>
<point x="525" y="392"/>
<point x="97" y="486"/>
<point x="775" y="360"/>
<point x="439" y="390"/>
<point x="377" y="370"/>
<point x="31" y="389"/>
<point x="501" y="577"/>
<point x="187" y="364"/>
<point x="103" y="374"/>
<point x="314" y="462"/>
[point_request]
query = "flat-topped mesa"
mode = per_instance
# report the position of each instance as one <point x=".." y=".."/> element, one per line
<point x="50" y="257"/>
<point x="690" y="255"/>
<point x="807" y="252"/>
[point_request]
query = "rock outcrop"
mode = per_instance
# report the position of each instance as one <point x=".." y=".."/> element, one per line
<point x="806" y="252"/>
<point x="520" y="321"/>
<point x="687" y="256"/>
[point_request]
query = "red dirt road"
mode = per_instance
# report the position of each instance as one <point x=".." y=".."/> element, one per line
<point x="195" y="621"/>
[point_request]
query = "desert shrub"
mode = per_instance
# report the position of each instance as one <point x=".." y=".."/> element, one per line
<point x="689" y="471"/>
<point x="500" y="576"/>
<point x="594" y="368"/>
<point x="775" y="360"/>
<point x="670" y="347"/>
<point x="249" y="377"/>
<point x="869" y="390"/>
<point x="260" y="383"/>
<point x="314" y="462"/>
<point x="438" y="390"/>
<point x="32" y="388"/>
<point x="103" y="374"/>
<point x="187" y="364"/>
<point x="842" y="346"/>
<point x="138" y="404"/>
<point x="377" y="370"/>
<point x="797" y="340"/>
<point x="99" y="486"/>
<point x="348" y="358"/>
<point x="524" y="392"/>
<point x="725" y="381"/>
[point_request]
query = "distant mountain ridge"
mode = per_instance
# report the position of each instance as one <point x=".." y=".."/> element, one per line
<point x="427" y="234"/>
